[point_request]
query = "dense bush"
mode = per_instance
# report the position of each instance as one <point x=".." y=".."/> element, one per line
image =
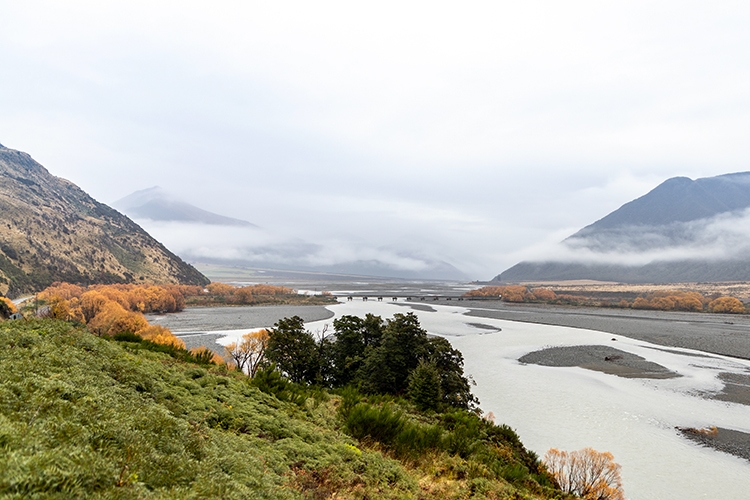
<point x="490" y="451"/>
<point x="726" y="305"/>
<point x="110" y="310"/>
<point x="222" y="293"/>
<point x="7" y="307"/>
<point x="377" y="356"/>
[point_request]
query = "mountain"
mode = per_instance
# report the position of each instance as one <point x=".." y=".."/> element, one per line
<point x="51" y="230"/>
<point x="680" y="199"/>
<point x="683" y="230"/>
<point x="209" y="238"/>
<point x="353" y="269"/>
<point x="158" y="205"/>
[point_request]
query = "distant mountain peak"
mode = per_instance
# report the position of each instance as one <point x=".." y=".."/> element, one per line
<point x="679" y="199"/>
<point x="157" y="204"/>
<point x="51" y="230"/>
<point x="677" y="225"/>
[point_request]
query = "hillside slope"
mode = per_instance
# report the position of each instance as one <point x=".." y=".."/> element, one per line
<point x="51" y="230"/>
<point x="101" y="419"/>
<point x="679" y="199"/>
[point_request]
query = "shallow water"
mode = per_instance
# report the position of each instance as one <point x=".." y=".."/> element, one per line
<point x="572" y="408"/>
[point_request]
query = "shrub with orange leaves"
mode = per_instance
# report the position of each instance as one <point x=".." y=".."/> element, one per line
<point x="113" y="319"/>
<point x="671" y="300"/>
<point x="486" y="291"/>
<point x="587" y="473"/>
<point x="91" y="303"/>
<point x="7" y="307"/>
<point x="244" y="295"/>
<point x="220" y="289"/>
<point x="160" y="335"/>
<point x="271" y="290"/>
<point x="65" y="291"/>
<point x="113" y="309"/>
<point x="515" y="294"/>
<point x="58" y="308"/>
<point x="543" y="294"/>
<point x="510" y="293"/>
<point x="641" y="303"/>
<point x="728" y="305"/>
<point x="251" y="294"/>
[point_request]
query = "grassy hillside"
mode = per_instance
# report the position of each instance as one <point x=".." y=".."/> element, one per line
<point x="85" y="417"/>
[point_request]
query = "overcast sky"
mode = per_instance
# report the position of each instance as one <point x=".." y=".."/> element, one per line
<point x="464" y="132"/>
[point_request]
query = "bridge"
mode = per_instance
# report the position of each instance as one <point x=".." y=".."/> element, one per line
<point x="410" y="298"/>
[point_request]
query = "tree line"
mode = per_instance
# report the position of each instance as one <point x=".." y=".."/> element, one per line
<point x="666" y="300"/>
<point x="393" y="356"/>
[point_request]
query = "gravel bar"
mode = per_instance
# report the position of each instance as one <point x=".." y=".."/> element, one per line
<point x="599" y="358"/>
<point x="211" y="319"/>
<point x="724" y="334"/>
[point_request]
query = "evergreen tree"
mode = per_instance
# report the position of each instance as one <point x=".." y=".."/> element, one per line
<point x="386" y="367"/>
<point x="454" y="387"/>
<point x="293" y="350"/>
<point x="424" y="386"/>
<point x="354" y="336"/>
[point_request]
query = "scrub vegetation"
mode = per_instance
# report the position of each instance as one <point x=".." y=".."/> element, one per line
<point x="663" y="300"/>
<point x="83" y="416"/>
<point x="110" y="310"/>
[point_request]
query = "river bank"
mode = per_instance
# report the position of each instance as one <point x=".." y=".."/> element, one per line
<point x="574" y="406"/>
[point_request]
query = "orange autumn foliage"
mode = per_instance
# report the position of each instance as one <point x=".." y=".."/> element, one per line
<point x="486" y="291"/>
<point x="10" y="307"/>
<point x="220" y="289"/>
<point x="112" y="309"/>
<point x="249" y="352"/>
<point x="587" y="473"/>
<point x="160" y="335"/>
<point x="671" y="300"/>
<point x="663" y="300"/>
<point x="113" y="319"/>
<point x="246" y="294"/>
<point x="511" y="293"/>
<point x="91" y="303"/>
<point x="729" y="305"/>
<point x="543" y="294"/>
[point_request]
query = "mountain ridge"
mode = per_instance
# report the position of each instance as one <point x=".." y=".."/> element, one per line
<point x="51" y="230"/>
<point x="683" y="216"/>
<point x="156" y="204"/>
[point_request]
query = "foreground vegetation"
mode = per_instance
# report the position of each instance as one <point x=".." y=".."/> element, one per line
<point x="109" y="310"/>
<point x="83" y="416"/>
<point x="664" y="300"/>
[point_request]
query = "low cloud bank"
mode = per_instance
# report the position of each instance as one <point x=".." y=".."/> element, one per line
<point x="257" y="247"/>
<point x="723" y="237"/>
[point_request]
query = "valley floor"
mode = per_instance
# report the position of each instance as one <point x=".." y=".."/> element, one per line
<point x="647" y="345"/>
